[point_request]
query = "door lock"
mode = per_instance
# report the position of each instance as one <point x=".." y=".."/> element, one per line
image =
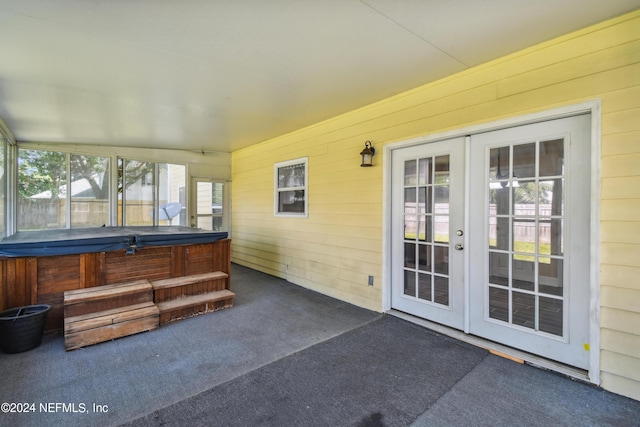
<point x="459" y="233"/>
<point x="459" y="246"/>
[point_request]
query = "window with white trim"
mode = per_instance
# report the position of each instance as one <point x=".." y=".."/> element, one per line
<point x="290" y="183"/>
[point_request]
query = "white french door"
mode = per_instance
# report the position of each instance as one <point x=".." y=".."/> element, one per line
<point x="528" y="213"/>
<point x="529" y="250"/>
<point x="427" y="230"/>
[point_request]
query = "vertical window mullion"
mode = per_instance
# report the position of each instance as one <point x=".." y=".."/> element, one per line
<point x="68" y="186"/>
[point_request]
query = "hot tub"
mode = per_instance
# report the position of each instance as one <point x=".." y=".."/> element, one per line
<point x="38" y="267"/>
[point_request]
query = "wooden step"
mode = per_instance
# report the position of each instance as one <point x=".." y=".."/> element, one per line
<point x="194" y="305"/>
<point x="93" y="328"/>
<point x="100" y="298"/>
<point x="187" y="280"/>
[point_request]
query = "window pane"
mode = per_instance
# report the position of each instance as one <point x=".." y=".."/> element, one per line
<point x="291" y="201"/>
<point x="291" y="176"/>
<point x="89" y="191"/>
<point x="171" y="197"/>
<point x="139" y="192"/>
<point x="41" y="190"/>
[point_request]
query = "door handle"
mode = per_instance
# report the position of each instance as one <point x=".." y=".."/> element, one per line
<point x="459" y="246"/>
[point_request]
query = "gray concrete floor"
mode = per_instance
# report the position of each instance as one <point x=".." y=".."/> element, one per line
<point x="113" y="382"/>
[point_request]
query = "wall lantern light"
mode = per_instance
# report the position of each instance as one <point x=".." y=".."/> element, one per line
<point x="367" y="155"/>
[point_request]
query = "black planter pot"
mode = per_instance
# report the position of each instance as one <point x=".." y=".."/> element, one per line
<point x="21" y="328"/>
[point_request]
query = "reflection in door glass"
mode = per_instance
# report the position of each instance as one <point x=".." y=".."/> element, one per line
<point x="426" y="229"/>
<point x="526" y="217"/>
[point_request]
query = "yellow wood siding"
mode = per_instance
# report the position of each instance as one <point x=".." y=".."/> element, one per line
<point x="339" y="245"/>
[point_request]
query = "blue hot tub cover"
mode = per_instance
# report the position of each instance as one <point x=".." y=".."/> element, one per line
<point x="101" y="239"/>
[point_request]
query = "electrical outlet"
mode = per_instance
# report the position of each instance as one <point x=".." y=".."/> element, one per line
<point x="370" y="280"/>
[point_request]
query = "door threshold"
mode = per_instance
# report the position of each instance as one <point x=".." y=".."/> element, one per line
<point x="497" y="349"/>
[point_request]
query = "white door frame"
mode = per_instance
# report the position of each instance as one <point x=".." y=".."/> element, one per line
<point x="594" y="107"/>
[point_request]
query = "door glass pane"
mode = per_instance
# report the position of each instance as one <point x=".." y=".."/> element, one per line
<point x="499" y="165"/>
<point x="424" y="257"/>
<point x="498" y="199"/>
<point x="410" y="172"/>
<point x="424" y="286"/>
<point x="550" y="277"/>
<point x="550" y="197"/>
<point x="441" y="290"/>
<point x="499" y="304"/>
<point x="552" y="158"/>
<point x="204" y="195"/>
<point x="425" y="168"/>
<point x="524" y="237"/>
<point x="441" y="259"/>
<point x="524" y="310"/>
<point x="410" y="227"/>
<point x="524" y="160"/>
<point x="426" y="229"/>
<point x="410" y="255"/>
<point x="410" y="200"/>
<point x="523" y="274"/>
<point x="441" y="195"/>
<point x="409" y="283"/>
<point x="441" y="224"/>
<point x="551" y="315"/>
<point x="442" y="170"/>
<point x="499" y="268"/>
<point x="499" y="233"/>
<point x="424" y="199"/>
<point x="524" y="198"/>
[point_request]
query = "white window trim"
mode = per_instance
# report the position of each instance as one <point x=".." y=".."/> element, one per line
<point x="305" y="187"/>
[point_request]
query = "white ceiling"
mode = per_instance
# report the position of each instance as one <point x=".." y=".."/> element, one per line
<point x="222" y="75"/>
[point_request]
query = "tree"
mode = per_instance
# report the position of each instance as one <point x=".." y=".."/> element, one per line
<point x="40" y="171"/>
